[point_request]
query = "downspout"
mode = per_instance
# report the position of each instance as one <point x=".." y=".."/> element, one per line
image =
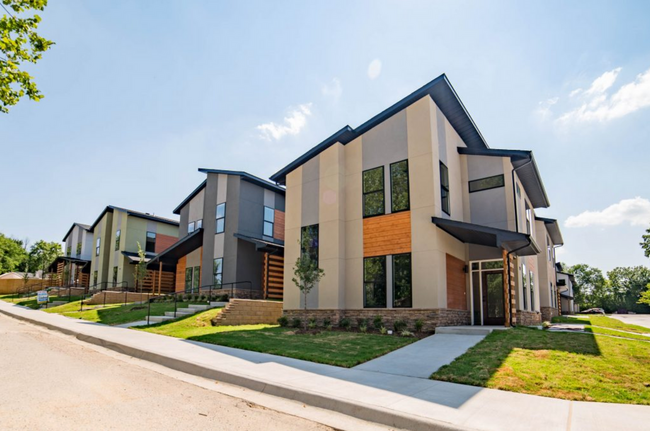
<point x="510" y="274"/>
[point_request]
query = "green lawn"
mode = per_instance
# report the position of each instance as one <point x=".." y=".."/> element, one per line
<point x="574" y="366"/>
<point x="344" y="349"/>
<point x="114" y="314"/>
<point x="30" y="301"/>
<point x="604" y="322"/>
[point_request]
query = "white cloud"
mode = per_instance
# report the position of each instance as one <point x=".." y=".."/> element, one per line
<point x="332" y="90"/>
<point x="635" y="211"/>
<point x="544" y="108"/>
<point x="293" y="123"/>
<point x="599" y="106"/>
<point x="575" y="92"/>
<point x="374" y="68"/>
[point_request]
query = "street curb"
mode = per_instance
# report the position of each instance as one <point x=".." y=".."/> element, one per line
<point x="357" y="410"/>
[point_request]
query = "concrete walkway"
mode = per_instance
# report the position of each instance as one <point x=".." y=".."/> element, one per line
<point x="424" y="357"/>
<point x="398" y="401"/>
<point x="633" y="319"/>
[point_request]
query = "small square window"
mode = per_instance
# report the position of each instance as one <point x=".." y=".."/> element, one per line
<point x="190" y="227"/>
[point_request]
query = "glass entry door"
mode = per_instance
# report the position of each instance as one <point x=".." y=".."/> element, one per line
<point x="493" y="302"/>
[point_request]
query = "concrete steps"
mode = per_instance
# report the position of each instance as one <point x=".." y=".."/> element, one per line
<point x="185" y="311"/>
<point x="249" y="312"/>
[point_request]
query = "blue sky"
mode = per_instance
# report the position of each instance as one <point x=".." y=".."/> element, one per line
<point x="138" y="95"/>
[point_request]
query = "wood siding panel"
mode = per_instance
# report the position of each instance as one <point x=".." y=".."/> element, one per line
<point x="180" y="274"/>
<point x="163" y="242"/>
<point x="456" y="292"/>
<point x="387" y="234"/>
<point x="273" y="276"/>
<point x="278" y="227"/>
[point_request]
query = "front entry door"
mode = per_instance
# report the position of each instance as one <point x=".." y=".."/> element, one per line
<point x="493" y="303"/>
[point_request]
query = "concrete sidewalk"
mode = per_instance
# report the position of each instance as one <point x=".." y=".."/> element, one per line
<point x="402" y="402"/>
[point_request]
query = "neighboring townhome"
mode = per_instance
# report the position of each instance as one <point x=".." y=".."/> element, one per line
<point x="116" y="234"/>
<point x="412" y="216"/>
<point x="549" y="237"/>
<point x="565" y="282"/>
<point x="73" y="268"/>
<point x="231" y="237"/>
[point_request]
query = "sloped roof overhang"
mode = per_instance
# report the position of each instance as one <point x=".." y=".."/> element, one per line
<point x="173" y="253"/>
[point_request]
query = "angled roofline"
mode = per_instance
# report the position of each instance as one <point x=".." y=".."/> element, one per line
<point x="553" y="228"/>
<point x="247" y="177"/>
<point x="442" y="93"/>
<point x="189" y="197"/>
<point x="519" y="158"/>
<point x="138" y="214"/>
<point x="81" y="225"/>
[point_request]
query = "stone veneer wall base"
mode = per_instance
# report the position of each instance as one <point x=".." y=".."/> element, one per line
<point x="529" y="318"/>
<point x="548" y="313"/>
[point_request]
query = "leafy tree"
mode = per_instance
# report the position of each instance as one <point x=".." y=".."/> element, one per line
<point x="12" y="254"/>
<point x="645" y="243"/>
<point x="306" y="271"/>
<point x="645" y="297"/>
<point x="590" y="289"/>
<point x="42" y="254"/>
<point x="140" y="268"/>
<point x="19" y="43"/>
<point x="627" y="285"/>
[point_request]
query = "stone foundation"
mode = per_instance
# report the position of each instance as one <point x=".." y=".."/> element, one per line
<point x="431" y="318"/>
<point x="548" y="313"/>
<point x="249" y="312"/>
<point x="529" y="318"/>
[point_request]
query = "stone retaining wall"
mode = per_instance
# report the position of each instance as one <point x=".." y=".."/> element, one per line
<point x="117" y="297"/>
<point x="529" y="318"/>
<point x="249" y="312"/>
<point x="548" y="313"/>
<point x="431" y="318"/>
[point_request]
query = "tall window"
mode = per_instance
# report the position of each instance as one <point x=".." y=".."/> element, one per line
<point x="373" y="192"/>
<point x="114" y="276"/>
<point x="551" y="293"/>
<point x="151" y="242"/>
<point x="99" y="241"/>
<point x="309" y="234"/>
<point x="190" y="227"/>
<point x="524" y="287"/>
<point x="402" y="291"/>
<point x="221" y="218"/>
<point x="95" y="278"/>
<point x="118" y="234"/>
<point x="68" y="251"/>
<point x="197" y="278"/>
<point x="532" y="291"/>
<point x="374" y="282"/>
<point x="548" y="248"/>
<point x="529" y="216"/>
<point x="188" y="279"/>
<point x="444" y="188"/>
<point x="399" y="186"/>
<point x="217" y="271"/>
<point x="269" y="220"/>
<point x="78" y="249"/>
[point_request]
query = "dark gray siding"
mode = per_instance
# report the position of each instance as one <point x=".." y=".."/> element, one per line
<point x="209" y="227"/>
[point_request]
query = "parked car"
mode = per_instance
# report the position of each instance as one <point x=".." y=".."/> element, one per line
<point x="593" y="311"/>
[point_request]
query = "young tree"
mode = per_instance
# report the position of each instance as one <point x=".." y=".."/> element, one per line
<point x="140" y="268"/>
<point x="306" y="271"/>
<point x="42" y="254"/>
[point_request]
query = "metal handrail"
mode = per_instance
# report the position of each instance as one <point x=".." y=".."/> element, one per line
<point x="210" y="288"/>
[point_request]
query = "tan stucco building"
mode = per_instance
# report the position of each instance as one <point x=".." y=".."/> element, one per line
<point x="415" y="217"/>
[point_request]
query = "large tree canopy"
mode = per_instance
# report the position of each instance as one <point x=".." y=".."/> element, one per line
<point x="645" y="243"/>
<point x="42" y="254"/>
<point x="12" y="254"/>
<point x="19" y="43"/>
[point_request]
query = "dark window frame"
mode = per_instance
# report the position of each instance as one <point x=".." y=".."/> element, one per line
<point x="118" y="235"/>
<point x="410" y="256"/>
<point x="219" y="272"/>
<point x="314" y="249"/>
<point x="365" y="281"/>
<point x="445" y="188"/>
<point x="114" y="276"/>
<point x="531" y="283"/>
<point x="503" y="183"/>
<point x="270" y="222"/>
<point x="217" y="218"/>
<point x="78" y="249"/>
<point x="382" y="191"/>
<point x="147" y="242"/>
<point x="188" y="278"/>
<point x="408" y="188"/>
<point x="98" y="244"/>
<point x="68" y="251"/>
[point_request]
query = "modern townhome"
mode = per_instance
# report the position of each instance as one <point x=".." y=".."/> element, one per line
<point x="73" y="268"/>
<point x="413" y="216"/>
<point x="115" y="237"/>
<point x="549" y="238"/>
<point x="565" y="282"/>
<point x="231" y="237"/>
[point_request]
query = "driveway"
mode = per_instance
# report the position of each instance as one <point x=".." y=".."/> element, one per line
<point x="634" y="319"/>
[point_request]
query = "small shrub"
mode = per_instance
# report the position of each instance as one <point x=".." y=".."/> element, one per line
<point x="378" y="322"/>
<point x="363" y="328"/>
<point x="362" y="322"/>
<point x="546" y="325"/>
<point x="345" y="323"/>
<point x="327" y="323"/>
<point x="296" y="322"/>
<point x="419" y="324"/>
<point x="328" y="327"/>
<point x="383" y="330"/>
<point x="312" y="323"/>
<point x="406" y="333"/>
<point x="283" y="321"/>
<point x="399" y="325"/>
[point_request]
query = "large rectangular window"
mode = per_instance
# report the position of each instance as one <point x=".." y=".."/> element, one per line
<point x="402" y="290"/>
<point x="309" y="241"/>
<point x="524" y="287"/>
<point x="532" y="291"/>
<point x="221" y="218"/>
<point x="97" y="244"/>
<point x="269" y="221"/>
<point x="197" y="278"/>
<point x="114" y="276"/>
<point x="399" y="186"/>
<point x="486" y="183"/>
<point x="151" y="242"/>
<point x="188" y="279"/>
<point x="217" y="271"/>
<point x="444" y="188"/>
<point x="118" y="234"/>
<point x="374" y="282"/>
<point x="373" y="192"/>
